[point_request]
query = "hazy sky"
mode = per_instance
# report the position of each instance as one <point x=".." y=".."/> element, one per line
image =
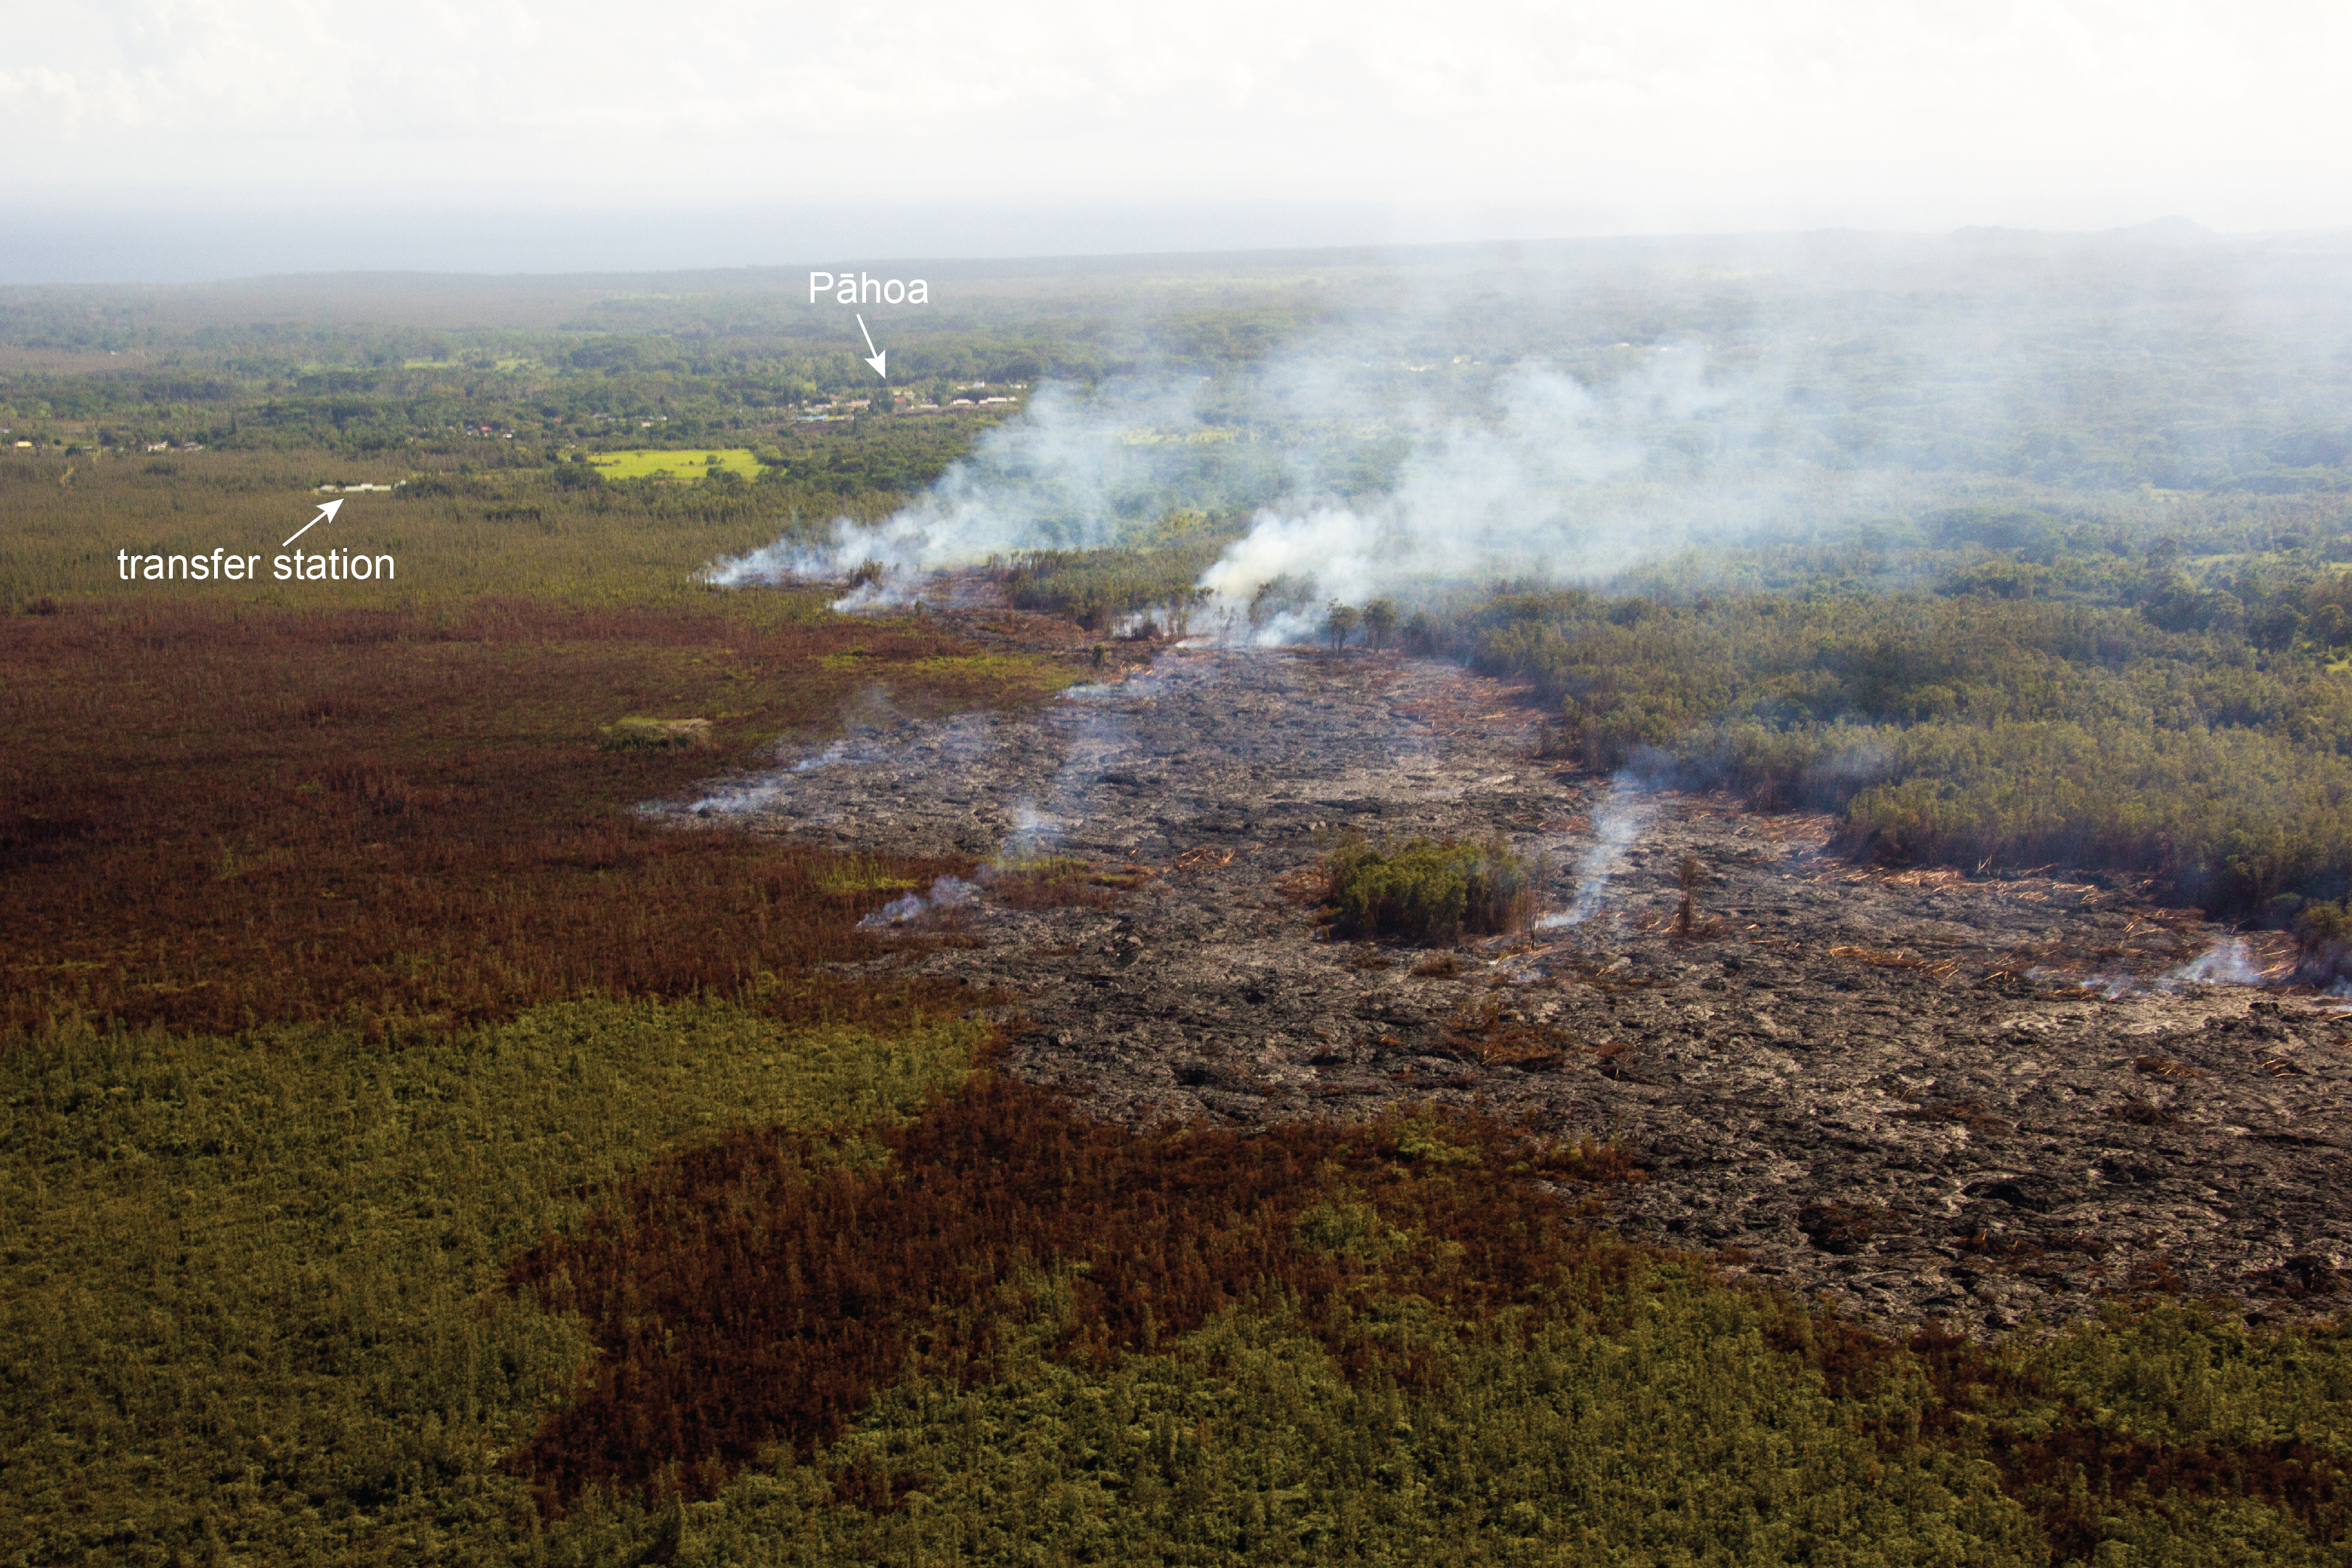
<point x="1564" y="117"/>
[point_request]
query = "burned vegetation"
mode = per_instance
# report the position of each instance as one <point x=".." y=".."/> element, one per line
<point x="1555" y="1167"/>
<point x="1349" y="885"/>
<point x="1332" y="938"/>
<point x="758" y="1292"/>
<point x="752" y="1298"/>
<point x="424" y="820"/>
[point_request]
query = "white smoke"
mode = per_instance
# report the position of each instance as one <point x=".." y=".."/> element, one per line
<point x="1097" y="739"/>
<point x="1070" y="473"/>
<point x="1034" y="834"/>
<point x="1535" y="475"/>
<point x="1616" y="829"/>
<point x="734" y="799"/>
<point x="949" y="893"/>
<point x="1551" y="488"/>
<point x="2229" y="962"/>
<point x="729" y="800"/>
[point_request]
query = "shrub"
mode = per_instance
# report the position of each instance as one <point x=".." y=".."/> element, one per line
<point x="1099" y="588"/>
<point x="1429" y="892"/>
<point x="2322" y="933"/>
<point x="1966" y="728"/>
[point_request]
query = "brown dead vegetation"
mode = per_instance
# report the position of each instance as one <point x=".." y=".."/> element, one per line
<point x="1203" y="857"/>
<point x="635" y="734"/>
<point x="1897" y="958"/>
<point x="1051" y="885"/>
<point x="212" y="817"/>
<point x="2302" y="1278"/>
<point x="2163" y="1067"/>
<point x="1490" y="1037"/>
<point x="759" y="1291"/>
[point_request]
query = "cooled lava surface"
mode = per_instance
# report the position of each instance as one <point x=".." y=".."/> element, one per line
<point x="1989" y="1101"/>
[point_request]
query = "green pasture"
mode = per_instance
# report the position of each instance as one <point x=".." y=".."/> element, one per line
<point x="506" y="364"/>
<point x="689" y="465"/>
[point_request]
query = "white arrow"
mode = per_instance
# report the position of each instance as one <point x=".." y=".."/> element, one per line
<point x="878" y="354"/>
<point x="327" y="510"/>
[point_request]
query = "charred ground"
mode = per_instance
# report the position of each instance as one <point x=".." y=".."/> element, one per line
<point x="1924" y="1094"/>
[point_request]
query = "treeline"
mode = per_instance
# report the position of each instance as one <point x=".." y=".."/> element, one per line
<point x="1148" y="586"/>
<point x="609" y="395"/>
<point x="2216" y="756"/>
<point x="1962" y="360"/>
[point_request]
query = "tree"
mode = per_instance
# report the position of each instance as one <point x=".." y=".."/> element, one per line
<point x="1379" y="621"/>
<point x="1278" y="596"/>
<point x="1687" y="876"/>
<point x="576" y="473"/>
<point x="1180" y="606"/>
<point x="1340" y="620"/>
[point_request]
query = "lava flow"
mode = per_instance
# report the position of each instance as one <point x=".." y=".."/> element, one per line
<point x="1981" y="1099"/>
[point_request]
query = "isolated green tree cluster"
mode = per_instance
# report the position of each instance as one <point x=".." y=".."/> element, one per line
<point x="1424" y="891"/>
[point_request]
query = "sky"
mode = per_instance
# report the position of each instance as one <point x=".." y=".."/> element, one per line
<point x="218" y="136"/>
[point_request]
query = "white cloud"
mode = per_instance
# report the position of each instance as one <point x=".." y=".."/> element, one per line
<point x="1685" y="111"/>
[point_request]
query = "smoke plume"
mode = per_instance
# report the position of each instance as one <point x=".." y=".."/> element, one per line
<point x="1354" y="488"/>
<point x="1616" y="827"/>
<point x="1072" y="472"/>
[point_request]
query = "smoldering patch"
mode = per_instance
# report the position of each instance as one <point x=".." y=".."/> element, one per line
<point x="946" y="894"/>
<point x="1617" y="826"/>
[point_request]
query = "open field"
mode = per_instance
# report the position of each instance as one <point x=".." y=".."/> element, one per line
<point x="691" y="466"/>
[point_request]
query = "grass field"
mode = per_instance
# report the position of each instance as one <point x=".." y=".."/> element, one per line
<point x="692" y="465"/>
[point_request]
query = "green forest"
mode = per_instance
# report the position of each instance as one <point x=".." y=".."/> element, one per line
<point x="2129" y="716"/>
